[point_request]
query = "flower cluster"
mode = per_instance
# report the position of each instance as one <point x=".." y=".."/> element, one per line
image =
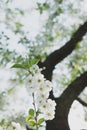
<point x="40" y="88"/>
<point x="9" y="125"/>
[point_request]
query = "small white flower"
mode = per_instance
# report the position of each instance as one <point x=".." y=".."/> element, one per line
<point x="41" y="89"/>
<point x="34" y="69"/>
<point x="30" y="84"/>
<point x="49" y="115"/>
<point x="16" y="125"/>
<point x="33" y="82"/>
<point x="39" y="78"/>
<point x="48" y="109"/>
<point x="43" y="96"/>
<point x="51" y="104"/>
<point x="44" y="107"/>
<point x="48" y="85"/>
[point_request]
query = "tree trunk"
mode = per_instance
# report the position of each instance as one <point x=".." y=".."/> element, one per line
<point x="64" y="103"/>
<point x="74" y="89"/>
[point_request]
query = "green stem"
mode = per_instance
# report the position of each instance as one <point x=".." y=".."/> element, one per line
<point x="35" y="112"/>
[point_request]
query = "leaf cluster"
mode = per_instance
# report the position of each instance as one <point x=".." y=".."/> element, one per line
<point x="31" y="119"/>
<point x="26" y="65"/>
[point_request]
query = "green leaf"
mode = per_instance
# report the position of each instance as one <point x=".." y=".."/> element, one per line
<point x="40" y="8"/>
<point x="60" y="1"/>
<point x="40" y="121"/>
<point x="2" y="122"/>
<point x="8" y="124"/>
<point x="26" y="65"/>
<point x="38" y="112"/>
<point x="33" y="61"/>
<point x="31" y="112"/>
<point x="18" y="66"/>
<point x="50" y="38"/>
<point x="21" y="12"/>
<point x="18" y="25"/>
<point x="32" y="123"/>
<point x="28" y="118"/>
<point x="10" y="91"/>
<point x="46" y="6"/>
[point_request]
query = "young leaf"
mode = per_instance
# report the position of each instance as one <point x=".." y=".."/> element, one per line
<point x="32" y="123"/>
<point x="2" y="122"/>
<point x="26" y="65"/>
<point x="33" y="61"/>
<point x="28" y="118"/>
<point x="8" y="124"/>
<point x="31" y="112"/>
<point x="10" y="91"/>
<point x="46" y="6"/>
<point x="38" y="112"/>
<point x="18" y="66"/>
<point x="40" y="121"/>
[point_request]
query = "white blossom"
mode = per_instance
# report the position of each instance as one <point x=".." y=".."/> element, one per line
<point x="16" y="125"/>
<point x="48" y="112"/>
<point x="48" y="85"/>
<point x="48" y="109"/>
<point x="51" y="104"/>
<point x="34" y="69"/>
<point x="40" y="87"/>
<point x="49" y="115"/>
<point x="33" y="81"/>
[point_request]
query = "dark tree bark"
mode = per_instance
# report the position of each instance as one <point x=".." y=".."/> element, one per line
<point x="74" y="89"/>
<point x="58" y="55"/>
<point x="64" y="103"/>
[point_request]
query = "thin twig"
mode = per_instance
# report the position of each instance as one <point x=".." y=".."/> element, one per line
<point x="82" y="102"/>
<point x="35" y="111"/>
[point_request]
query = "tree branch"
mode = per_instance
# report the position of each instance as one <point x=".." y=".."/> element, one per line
<point x="74" y="89"/>
<point x="65" y="101"/>
<point x="82" y="102"/>
<point x="58" y="55"/>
